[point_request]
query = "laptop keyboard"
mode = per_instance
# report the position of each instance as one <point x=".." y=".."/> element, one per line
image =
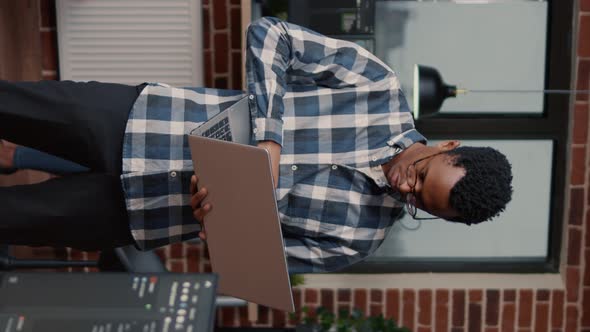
<point x="219" y="131"/>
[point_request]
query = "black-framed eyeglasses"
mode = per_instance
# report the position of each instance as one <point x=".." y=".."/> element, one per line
<point x="412" y="178"/>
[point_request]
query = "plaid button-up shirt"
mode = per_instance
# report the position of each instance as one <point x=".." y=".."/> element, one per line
<point x="338" y="113"/>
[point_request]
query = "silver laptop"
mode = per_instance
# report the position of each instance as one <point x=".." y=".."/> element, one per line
<point x="244" y="236"/>
<point x="232" y="124"/>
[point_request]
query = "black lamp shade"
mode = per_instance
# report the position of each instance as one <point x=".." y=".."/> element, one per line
<point x="429" y="91"/>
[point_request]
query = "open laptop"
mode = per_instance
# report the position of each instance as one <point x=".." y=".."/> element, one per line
<point x="244" y="235"/>
<point x="231" y="124"/>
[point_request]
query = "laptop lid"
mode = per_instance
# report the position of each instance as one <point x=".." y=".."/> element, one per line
<point x="244" y="235"/>
<point x="232" y="124"/>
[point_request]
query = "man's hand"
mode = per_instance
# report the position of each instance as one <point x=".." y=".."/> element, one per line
<point x="199" y="211"/>
<point x="7" y="150"/>
<point x="274" y="150"/>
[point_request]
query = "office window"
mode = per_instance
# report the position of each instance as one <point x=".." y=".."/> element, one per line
<point x="478" y="45"/>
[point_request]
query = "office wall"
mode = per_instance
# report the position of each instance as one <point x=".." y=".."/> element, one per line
<point x="424" y="309"/>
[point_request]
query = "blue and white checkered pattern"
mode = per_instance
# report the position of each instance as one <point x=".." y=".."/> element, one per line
<point x="338" y="113"/>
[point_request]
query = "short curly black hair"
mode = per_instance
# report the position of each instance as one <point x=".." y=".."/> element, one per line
<point x="485" y="189"/>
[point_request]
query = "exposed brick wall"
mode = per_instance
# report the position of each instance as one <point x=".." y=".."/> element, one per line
<point x="48" y="40"/>
<point x="420" y="309"/>
<point x="222" y="44"/>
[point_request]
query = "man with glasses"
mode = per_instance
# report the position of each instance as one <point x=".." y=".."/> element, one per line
<point x="345" y="152"/>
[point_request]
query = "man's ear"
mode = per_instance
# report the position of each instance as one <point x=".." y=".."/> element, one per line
<point x="448" y="145"/>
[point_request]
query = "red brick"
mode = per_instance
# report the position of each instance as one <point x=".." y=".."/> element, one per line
<point x="474" y="319"/>
<point x="580" y="131"/>
<point x="243" y="317"/>
<point x="543" y="294"/>
<point x="47" y="12"/>
<point x="344" y="295"/>
<point x="375" y="310"/>
<point x="574" y="242"/>
<point x="491" y="329"/>
<point x="541" y="317"/>
<point x="571" y="319"/>
<point x="509" y="295"/>
<point x="228" y="315"/>
<point x="206" y="29"/>
<point x="176" y="250"/>
<point x="236" y="29"/>
<point x="584" y="36"/>
<point x="578" y="165"/>
<point x="236" y="72"/>
<point x="297" y="295"/>
<point x="49" y="50"/>
<point x="492" y="307"/>
<point x="408" y="308"/>
<point x="193" y="258"/>
<point x="475" y="295"/>
<point x="392" y="305"/>
<point x="587" y="230"/>
<point x="424" y="306"/>
<point x="263" y="313"/>
<point x="576" y="206"/>
<point x="177" y="266"/>
<point x="297" y="302"/>
<point x="583" y="79"/>
<point x="587" y="265"/>
<point x="219" y="14"/>
<point x="424" y="329"/>
<point x="457" y="329"/>
<point x="458" y="308"/>
<point x="221" y="46"/>
<point x="557" y="305"/>
<point x="221" y="83"/>
<point x="585" y="5"/>
<point x="376" y="295"/>
<point x="586" y="307"/>
<point x="311" y="296"/>
<point x="360" y="299"/>
<point x="327" y="299"/>
<point x="508" y="317"/>
<point x="278" y="318"/>
<point x="525" y="308"/>
<point x="92" y="255"/>
<point x="208" y="68"/>
<point x="572" y="283"/>
<point x="76" y="255"/>
<point x="441" y="310"/>
<point x="193" y="266"/>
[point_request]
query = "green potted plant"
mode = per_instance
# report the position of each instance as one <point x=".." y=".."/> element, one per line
<point x="355" y="321"/>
